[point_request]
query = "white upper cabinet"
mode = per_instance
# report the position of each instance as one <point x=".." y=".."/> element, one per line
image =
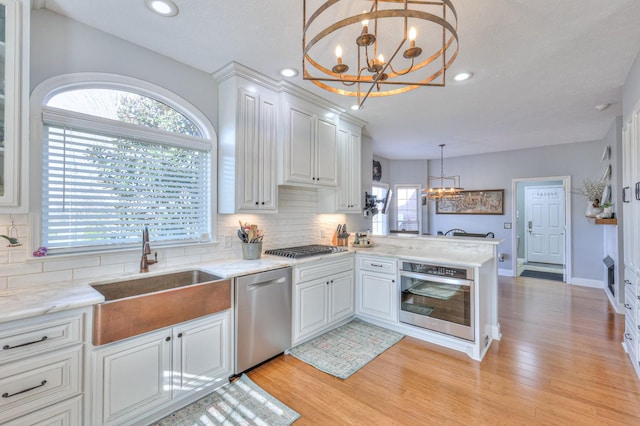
<point x="14" y="54"/>
<point x="310" y="156"/>
<point x="348" y="196"/>
<point x="248" y="129"/>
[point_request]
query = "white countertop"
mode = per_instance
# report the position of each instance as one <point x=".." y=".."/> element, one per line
<point x="30" y="302"/>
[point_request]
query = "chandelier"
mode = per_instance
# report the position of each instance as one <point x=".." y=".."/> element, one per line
<point x="442" y="186"/>
<point x="375" y="48"/>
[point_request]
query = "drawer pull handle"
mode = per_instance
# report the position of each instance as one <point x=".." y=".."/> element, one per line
<point x="6" y="394"/>
<point x="628" y="306"/>
<point x="5" y="347"/>
<point x="628" y="336"/>
<point x="377" y="265"/>
<point x="627" y="282"/>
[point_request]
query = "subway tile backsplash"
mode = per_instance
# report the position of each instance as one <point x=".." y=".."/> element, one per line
<point x="296" y="223"/>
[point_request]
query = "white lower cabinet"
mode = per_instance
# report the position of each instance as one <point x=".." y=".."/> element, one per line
<point x="377" y="288"/>
<point x="41" y="364"/>
<point x="145" y="374"/>
<point x="324" y="296"/>
<point x="66" y="413"/>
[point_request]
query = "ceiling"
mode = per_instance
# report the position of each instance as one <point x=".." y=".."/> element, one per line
<point x="540" y="66"/>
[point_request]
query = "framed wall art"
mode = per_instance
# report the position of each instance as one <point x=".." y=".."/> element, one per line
<point x="377" y="171"/>
<point x="488" y="201"/>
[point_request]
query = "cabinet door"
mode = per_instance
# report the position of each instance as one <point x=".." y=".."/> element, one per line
<point x="341" y="297"/>
<point x="132" y="378"/>
<point x="299" y="152"/>
<point x="311" y="313"/>
<point x="248" y="144"/>
<point x="326" y="153"/>
<point x="256" y="144"/>
<point x="268" y="138"/>
<point x="355" y="169"/>
<point x="14" y="140"/>
<point x="378" y="296"/>
<point x="201" y="354"/>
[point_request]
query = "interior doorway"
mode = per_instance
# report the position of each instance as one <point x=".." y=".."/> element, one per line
<point x="542" y="241"/>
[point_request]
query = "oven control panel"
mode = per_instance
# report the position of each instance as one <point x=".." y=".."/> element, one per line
<point x="437" y="270"/>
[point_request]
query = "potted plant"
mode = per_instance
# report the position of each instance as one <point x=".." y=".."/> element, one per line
<point x="607" y="210"/>
<point x="591" y="189"/>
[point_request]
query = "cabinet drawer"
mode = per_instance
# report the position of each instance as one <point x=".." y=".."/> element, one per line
<point x="322" y="269"/>
<point x="67" y="413"/>
<point x="378" y="264"/>
<point x="24" y="338"/>
<point x="630" y="338"/>
<point x="630" y="300"/>
<point x="29" y="385"/>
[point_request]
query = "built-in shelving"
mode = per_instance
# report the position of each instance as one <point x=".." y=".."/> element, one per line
<point x="597" y="221"/>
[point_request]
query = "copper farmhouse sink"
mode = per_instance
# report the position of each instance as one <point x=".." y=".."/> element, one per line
<point x="140" y="305"/>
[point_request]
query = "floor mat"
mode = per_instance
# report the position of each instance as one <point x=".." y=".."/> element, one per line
<point x="553" y="276"/>
<point x="238" y="403"/>
<point x="346" y="349"/>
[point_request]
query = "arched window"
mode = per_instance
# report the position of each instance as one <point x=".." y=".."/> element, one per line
<point x="117" y="158"/>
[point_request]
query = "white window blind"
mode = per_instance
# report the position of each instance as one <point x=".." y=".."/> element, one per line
<point x="101" y="189"/>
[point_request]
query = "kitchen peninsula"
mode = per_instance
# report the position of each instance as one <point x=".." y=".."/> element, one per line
<point x="413" y="285"/>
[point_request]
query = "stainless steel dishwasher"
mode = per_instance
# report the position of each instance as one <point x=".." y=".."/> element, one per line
<point x="263" y="317"/>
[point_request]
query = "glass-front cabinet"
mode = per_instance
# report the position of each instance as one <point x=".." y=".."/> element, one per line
<point x="13" y="135"/>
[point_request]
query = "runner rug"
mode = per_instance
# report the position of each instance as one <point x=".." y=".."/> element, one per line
<point x="241" y="402"/>
<point x="346" y="349"/>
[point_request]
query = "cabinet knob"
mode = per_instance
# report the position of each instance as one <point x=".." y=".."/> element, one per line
<point x="167" y="339"/>
<point x="179" y="335"/>
<point x="256" y="203"/>
<point x="263" y="203"/>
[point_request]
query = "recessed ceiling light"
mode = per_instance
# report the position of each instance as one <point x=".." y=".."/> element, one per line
<point x="355" y="107"/>
<point x="463" y="76"/>
<point x="288" y="72"/>
<point x="602" y="107"/>
<point x="162" y="7"/>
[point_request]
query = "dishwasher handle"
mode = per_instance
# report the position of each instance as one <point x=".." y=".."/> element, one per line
<point x="281" y="275"/>
<point x="252" y="287"/>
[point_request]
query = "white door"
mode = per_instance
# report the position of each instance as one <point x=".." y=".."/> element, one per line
<point x="544" y="224"/>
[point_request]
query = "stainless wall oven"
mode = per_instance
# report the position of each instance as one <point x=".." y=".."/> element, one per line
<point x="438" y="298"/>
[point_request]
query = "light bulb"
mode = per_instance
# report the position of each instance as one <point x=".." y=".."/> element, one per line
<point x="412" y="34"/>
<point x="338" y="52"/>
<point x="381" y="58"/>
<point x="365" y="22"/>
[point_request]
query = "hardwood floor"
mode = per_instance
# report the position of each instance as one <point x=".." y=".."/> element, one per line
<point x="560" y="362"/>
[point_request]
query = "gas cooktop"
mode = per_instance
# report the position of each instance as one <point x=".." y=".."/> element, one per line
<point x="305" y="251"/>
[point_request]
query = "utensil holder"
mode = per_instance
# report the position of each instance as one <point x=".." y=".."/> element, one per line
<point x="251" y="251"/>
<point x="343" y="241"/>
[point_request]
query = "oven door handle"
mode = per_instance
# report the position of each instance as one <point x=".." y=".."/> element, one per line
<point x="437" y="279"/>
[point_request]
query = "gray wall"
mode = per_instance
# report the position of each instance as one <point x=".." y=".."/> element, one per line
<point x="497" y="170"/>
<point x="61" y="46"/>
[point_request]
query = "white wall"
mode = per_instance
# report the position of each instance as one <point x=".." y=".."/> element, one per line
<point x="60" y="46"/>
<point x="497" y="170"/>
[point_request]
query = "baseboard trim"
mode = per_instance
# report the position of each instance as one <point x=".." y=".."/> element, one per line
<point x="584" y="282"/>
<point x="506" y="272"/>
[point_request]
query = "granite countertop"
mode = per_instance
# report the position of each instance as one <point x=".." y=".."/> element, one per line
<point x="31" y="302"/>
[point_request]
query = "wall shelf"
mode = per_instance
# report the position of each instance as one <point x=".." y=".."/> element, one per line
<point x="597" y="221"/>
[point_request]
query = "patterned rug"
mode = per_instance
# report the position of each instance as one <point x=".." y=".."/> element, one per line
<point x="346" y="349"/>
<point x="238" y="403"/>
